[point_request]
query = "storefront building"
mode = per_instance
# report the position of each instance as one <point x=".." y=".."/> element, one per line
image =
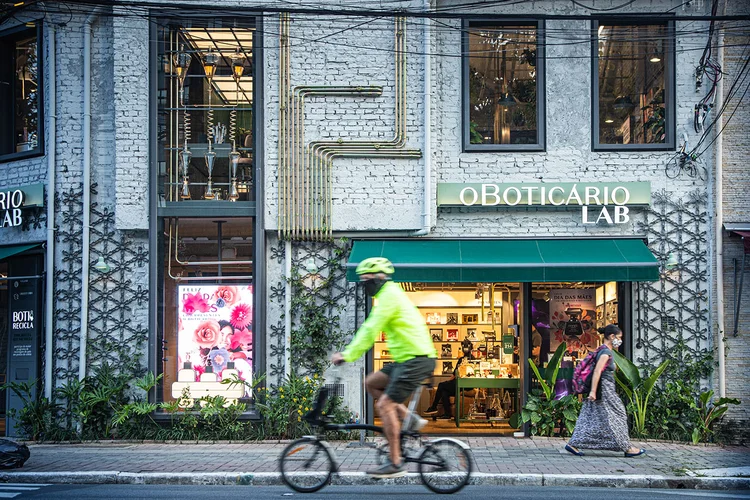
<point x="517" y="181"/>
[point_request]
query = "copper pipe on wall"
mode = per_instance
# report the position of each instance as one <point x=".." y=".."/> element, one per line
<point x="305" y="204"/>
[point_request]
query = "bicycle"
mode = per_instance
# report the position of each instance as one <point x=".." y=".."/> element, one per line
<point x="689" y="162"/>
<point x="308" y="464"/>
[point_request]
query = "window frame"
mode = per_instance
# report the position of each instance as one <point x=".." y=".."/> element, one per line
<point x="16" y="32"/>
<point x="541" y="144"/>
<point x="160" y="210"/>
<point x="669" y="84"/>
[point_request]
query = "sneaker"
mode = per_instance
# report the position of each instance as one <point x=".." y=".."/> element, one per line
<point x="388" y="470"/>
<point x="430" y="411"/>
<point x="445" y="417"/>
<point x="416" y="423"/>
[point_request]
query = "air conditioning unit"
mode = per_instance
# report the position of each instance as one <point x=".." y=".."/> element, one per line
<point x="229" y="253"/>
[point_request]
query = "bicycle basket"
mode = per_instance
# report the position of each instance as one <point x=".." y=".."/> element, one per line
<point x="314" y="416"/>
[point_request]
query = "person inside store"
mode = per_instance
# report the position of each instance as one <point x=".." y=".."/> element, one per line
<point x="410" y="345"/>
<point x="536" y="346"/>
<point x="603" y="422"/>
<point x="447" y="388"/>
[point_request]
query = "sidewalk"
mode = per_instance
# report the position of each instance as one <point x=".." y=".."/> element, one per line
<point x="499" y="460"/>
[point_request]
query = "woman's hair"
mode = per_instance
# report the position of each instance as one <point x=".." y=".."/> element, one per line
<point x="609" y="330"/>
<point x="223" y="323"/>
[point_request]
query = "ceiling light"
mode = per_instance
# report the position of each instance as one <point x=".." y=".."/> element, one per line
<point x="654" y="58"/>
<point x="608" y="120"/>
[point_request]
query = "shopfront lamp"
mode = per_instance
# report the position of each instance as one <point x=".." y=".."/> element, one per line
<point x="101" y="266"/>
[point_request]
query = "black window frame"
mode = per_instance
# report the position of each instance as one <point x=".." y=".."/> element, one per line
<point x="669" y="84"/>
<point x="15" y="33"/>
<point x="541" y="144"/>
<point x="207" y="209"/>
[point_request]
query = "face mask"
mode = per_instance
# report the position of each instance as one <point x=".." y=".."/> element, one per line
<point x="616" y="343"/>
<point x="373" y="286"/>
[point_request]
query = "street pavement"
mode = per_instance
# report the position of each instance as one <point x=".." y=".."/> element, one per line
<point x="498" y="460"/>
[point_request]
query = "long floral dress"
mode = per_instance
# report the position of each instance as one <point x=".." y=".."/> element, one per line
<point x="603" y="423"/>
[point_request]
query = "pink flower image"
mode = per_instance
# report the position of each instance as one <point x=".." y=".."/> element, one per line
<point x="228" y="294"/>
<point x="241" y="339"/>
<point x="194" y="302"/>
<point x="207" y="334"/>
<point x="242" y="316"/>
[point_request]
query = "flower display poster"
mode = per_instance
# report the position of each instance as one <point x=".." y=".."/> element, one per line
<point x="572" y="312"/>
<point x="216" y="330"/>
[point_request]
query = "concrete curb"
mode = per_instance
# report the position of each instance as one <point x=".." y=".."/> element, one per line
<point x="360" y="478"/>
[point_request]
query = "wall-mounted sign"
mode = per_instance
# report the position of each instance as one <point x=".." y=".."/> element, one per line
<point x="599" y="202"/>
<point x="14" y="200"/>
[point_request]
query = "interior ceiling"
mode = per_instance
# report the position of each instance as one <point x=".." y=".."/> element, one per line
<point x="225" y="41"/>
<point x="493" y="49"/>
<point x="237" y="229"/>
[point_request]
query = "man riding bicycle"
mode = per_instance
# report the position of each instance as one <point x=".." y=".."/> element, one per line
<point x="410" y="346"/>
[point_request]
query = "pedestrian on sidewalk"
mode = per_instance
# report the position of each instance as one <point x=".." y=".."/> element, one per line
<point x="603" y="421"/>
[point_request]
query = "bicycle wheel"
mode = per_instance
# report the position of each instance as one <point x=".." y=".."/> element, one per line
<point x="306" y="465"/>
<point x="674" y="166"/>
<point x="445" y="465"/>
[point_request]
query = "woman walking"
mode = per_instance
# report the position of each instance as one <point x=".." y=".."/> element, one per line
<point x="603" y="422"/>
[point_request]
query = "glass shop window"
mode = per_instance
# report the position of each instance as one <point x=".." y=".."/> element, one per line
<point x="20" y="93"/>
<point x="570" y="313"/>
<point x="206" y="308"/>
<point x="503" y="94"/>
<point x="206" y="105"/>
<point x="634" y="103"/>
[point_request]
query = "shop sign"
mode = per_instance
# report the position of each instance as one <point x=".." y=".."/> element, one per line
<point x="24" y="326"/>
<point x="508" y="344"/>
<point x="599" y="201"/>
<point x="14" y="200"/>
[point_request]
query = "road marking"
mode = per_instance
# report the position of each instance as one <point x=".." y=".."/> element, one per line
<point x="12" y="490"/>
<point x="704" y="494"/>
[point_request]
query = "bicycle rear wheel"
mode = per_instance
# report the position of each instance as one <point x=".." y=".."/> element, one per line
<point x="445" y="465"/>
<point x="306" y="465"/>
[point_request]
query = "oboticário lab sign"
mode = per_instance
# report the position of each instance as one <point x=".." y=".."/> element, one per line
<point x="600" y="202"/>
<point x="10" y="207"/>
<point x="13" y="201"/>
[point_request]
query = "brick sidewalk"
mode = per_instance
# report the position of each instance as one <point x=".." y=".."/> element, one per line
<point x="493" y="455"/>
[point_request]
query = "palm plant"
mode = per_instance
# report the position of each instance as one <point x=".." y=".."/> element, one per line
<point x="637" y="389"/>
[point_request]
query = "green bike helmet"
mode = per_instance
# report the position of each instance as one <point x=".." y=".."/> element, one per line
<point x="375" y="265"/>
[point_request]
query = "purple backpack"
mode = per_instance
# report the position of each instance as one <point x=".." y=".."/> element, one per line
<point x="584" y="372"/>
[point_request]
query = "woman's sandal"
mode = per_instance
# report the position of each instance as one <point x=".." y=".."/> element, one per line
<point x="631" y="455"/>
<point x="574" y="451"/>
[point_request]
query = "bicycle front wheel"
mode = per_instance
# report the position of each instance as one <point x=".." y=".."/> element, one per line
<point x="306" y="465"/>
<point x="445" y="465"/>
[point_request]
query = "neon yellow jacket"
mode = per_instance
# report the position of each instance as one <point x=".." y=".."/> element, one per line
<point x="403" y="324"/>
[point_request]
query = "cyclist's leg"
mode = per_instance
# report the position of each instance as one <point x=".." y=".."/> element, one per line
<point x="387" y="408"/>
<point x="376" y="382"/>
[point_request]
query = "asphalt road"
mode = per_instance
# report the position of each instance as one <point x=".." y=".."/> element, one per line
<point x="394" y="492"/>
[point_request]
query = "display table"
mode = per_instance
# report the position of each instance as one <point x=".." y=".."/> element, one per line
<point x="480" y="383"/>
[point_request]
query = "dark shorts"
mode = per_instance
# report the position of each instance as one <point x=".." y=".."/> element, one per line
<point x="404" y="378"/>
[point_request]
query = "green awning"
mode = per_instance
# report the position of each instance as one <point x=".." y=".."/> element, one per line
<point x="10" y="251"/>
<point x="465" y="261"/>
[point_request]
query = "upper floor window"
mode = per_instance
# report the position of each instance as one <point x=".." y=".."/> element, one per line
<point x="633" y="85"/>
<point x="20" y="93"/>
<point x="503" y="93"/>
<point x="206" y="107"/>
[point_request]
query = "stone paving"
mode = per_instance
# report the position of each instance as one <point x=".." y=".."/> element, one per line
<point x="503" y="455"/>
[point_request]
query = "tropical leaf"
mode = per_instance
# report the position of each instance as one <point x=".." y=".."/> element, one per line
<point x="629" y="370"/>
<point x="648" y="384"/>
<point x="551" y="375"/>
